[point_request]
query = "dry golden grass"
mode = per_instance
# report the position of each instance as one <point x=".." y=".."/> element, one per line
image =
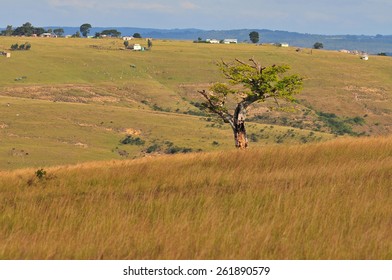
<point x="318" y="201"/>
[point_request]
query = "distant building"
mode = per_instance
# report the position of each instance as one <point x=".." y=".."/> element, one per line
<point x="284" y="45"/>
<point x="213" y="41"/>
<point x="364" y="57"/>
<point x="127" y="38"/>
<point x="48" y="35"/>
<point x="230" y="41"/>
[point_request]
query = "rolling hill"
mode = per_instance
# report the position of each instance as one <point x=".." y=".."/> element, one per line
<point x="369" y="43"/>
<point x="80" y="98"/>
<point x="89" y="133"/>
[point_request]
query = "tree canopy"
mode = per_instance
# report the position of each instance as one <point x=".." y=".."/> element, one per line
<point x="254" y="37"/>
<point x="26" y="29"/>
<point x="85" y="29"/>
<point x="318" y="45"/>
<point x="248" y="82"/>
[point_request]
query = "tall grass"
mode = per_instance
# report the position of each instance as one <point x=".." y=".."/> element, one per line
<point x="318" y="201"/>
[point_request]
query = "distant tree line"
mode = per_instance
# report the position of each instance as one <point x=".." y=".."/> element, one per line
<point x="28" y="29"/>
<point x="108" y="33"/>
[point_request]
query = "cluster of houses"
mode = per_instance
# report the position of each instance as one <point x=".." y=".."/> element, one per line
<point x="363" y="55"/>
<point x="225" y="41"/>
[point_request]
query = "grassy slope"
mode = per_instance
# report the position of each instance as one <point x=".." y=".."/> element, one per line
<point x="80" y="96"/>
<point x="316" y="201"/>
<point x="62" y="133"/>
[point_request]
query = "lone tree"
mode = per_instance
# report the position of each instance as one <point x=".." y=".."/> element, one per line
<point x="318" y="45"/>
<point x="254" y="37"/>
<point x="85" y="29"/>
<point x="250" y="83"/>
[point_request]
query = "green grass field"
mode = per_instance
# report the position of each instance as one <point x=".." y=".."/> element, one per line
<point x="72" y="100"/>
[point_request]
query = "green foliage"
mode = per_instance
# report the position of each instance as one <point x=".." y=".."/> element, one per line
<point x="137" y="35"/>
<point x="22" y="47"/>
<point x="168" y="148"/>
<point x="176" y="150"/>
<point x="318" y="45"/>
<point x="111" y="33"/>
<point x="76" y="35"/>
<point x="59" y="31"/>
<point x="129" y="140"/>
<point x="40" y="173"/>
<point x="254" y="37"/>
<point x="8" y="31"/>
<point x="27" y="29"/>
<point x="153" y="148"/>
<point x="259" y="83"/>
<point x="85" y="29"/>
<point x="340" y="126"/>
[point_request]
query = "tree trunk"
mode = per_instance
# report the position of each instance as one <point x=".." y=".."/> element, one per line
<point x="240" y="137"/>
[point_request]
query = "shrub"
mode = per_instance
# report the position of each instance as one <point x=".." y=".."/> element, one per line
<point x="129" y="140"/>
<point x="40" y="173"/>
<point x="340" y="126"/>
<point x="176" y="150"/>
<point x="215" y="143"/>
<point x="153" y="148"/>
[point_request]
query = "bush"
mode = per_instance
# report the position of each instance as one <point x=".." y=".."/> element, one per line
<point x="22" y="47"/>
<point x="340" y="126"/>
<point x="40" y="173"/>
<point x="153" y="148"/>
<point x="129" y="140"/>
<point x="176" y="150"/>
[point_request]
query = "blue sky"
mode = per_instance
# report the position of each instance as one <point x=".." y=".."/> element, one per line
<point x="368" y="17"/>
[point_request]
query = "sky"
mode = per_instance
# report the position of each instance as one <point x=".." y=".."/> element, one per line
<point x="329" y="17"/>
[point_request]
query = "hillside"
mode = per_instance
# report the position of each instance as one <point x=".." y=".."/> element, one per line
<point x="371" y="44"/>
<point x="75" y="100"/>
<point x="317" y="201"/>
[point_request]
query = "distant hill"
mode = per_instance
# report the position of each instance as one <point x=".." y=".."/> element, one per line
<point x="371" y="44"/>
<point x="367" y="43"/>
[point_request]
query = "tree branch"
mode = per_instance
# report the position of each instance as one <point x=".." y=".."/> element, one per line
<point x="228" y="118"/>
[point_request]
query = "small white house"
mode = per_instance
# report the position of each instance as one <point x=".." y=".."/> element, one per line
<point x="48" y="35"/>
<point x="365" y="57"/>
<point x="213" y="41"/>
<point x="127" y="38"/>
<point x="230" y="41"/>
<point x="284" y="45"/>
